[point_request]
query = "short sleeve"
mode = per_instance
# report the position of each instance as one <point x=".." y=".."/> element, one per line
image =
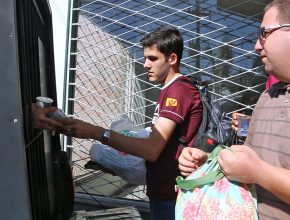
<point x="179" y="101"/>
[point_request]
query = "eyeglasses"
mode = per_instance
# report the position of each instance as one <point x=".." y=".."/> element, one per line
<point x="267" y="30"/>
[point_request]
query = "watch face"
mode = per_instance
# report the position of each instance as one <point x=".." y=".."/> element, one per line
<point x="105" y="137"/>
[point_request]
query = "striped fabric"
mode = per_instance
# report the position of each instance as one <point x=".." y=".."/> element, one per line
<point x="269" y="136"/>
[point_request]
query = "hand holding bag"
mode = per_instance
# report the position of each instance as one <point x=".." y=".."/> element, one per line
<point x="207" y="194"/>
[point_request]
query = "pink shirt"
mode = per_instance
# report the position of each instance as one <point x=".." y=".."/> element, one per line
<point x="270" y="81"/>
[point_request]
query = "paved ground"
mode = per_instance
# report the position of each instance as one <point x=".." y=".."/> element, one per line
<point x="108" y="214"/>
<point x="92" y="212"/>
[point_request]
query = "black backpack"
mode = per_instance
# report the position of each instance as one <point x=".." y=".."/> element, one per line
<point x="215" y="127"/>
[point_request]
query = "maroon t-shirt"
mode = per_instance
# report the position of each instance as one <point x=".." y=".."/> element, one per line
<point x="178" y="101"/>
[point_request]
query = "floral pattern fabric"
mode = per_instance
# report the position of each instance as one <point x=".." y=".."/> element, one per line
<point x="220" y="200"/>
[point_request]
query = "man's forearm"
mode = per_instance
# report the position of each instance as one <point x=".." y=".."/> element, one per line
<point x="147" y="148"/>
<point x="276" y="180"/>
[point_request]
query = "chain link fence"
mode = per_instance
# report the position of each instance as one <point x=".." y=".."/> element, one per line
<point x="106" y="77"/>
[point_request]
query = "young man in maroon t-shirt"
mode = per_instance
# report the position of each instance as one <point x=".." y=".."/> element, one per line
<point x="177" y="114"/>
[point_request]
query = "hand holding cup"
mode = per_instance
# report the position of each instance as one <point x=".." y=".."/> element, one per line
<point x="240" y="123"/>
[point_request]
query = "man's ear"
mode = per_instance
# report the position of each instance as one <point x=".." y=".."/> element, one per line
<point x="172" y="59"/>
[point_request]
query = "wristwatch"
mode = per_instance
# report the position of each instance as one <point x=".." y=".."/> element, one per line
<point x="105" y="136"/>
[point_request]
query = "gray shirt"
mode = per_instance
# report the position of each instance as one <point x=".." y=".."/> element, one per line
<point x="269" y="136"/>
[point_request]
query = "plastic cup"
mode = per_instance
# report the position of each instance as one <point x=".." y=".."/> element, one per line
<point x="243" y="125"/>
<point x="43" y="102"/>
<point x="57" y="114"/>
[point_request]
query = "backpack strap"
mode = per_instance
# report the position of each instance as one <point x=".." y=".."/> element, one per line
<point x="182" y="141"/>
<point x="206" y="113"/>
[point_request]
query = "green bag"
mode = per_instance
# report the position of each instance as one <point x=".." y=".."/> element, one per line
<point x="208" y="194"/>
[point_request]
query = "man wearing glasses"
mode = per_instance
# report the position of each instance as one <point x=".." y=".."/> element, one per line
<point x="265" y="157"/>
<point x="267" y="161"/>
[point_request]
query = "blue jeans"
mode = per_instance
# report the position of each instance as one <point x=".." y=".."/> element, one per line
<point x="162" y="210"/>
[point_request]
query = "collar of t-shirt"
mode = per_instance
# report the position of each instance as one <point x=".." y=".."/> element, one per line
<point x="171" y="81"/>
<point x="278" y="88"/>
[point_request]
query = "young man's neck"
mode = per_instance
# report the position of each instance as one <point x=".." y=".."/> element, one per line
<point x="170" y="77"/>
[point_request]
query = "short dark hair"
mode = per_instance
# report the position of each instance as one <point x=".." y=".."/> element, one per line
<point x="283" y="7"/>
<point x="167" y="41"/>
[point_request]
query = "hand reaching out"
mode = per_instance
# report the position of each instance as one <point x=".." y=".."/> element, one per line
<point x="78" y="128"/>
<point x="40" y="119"/>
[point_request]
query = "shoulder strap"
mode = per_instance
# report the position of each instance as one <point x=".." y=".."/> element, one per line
<point x="187" y="80"/>
<point x="205" y="112"/>
<point x="201" y="181"/>
<point x="210" y="177"/>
